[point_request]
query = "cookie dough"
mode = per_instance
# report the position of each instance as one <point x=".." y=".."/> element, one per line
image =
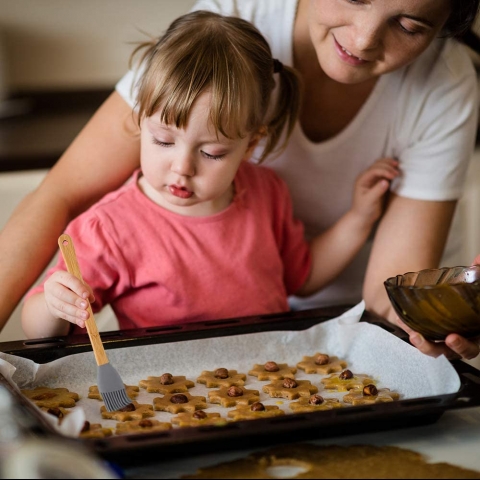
<point x="356" y="461"/>
<point x="198" y="418"/>
<point x="166" y="383"/>
<point x="314" y="404"/>
<point x="52" y="397"/>
<point x="94" y="430"/>
<point x="179" y="402"/>
<point x="132" y="392"/>
<point x="290" y="388"/>
<point x="346" y="380"/>
<point x="272" y="371"/>
<point x="145" y="425"/>
<point x="321" y="363"/>
<point x="133" y="411"/>
<point x="254" y="411"/>
<point x="369" y="395"/>
<point x="221" y="377"/>
<point x="232" y="396"/>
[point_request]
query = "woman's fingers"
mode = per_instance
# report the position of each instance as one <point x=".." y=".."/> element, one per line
<point x="428" y="348"/>
<point x="465" y="348"/>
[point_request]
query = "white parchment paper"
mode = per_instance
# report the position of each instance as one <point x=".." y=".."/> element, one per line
<point x="367" y="349"/>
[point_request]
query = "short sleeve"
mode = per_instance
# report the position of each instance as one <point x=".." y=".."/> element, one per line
<point x="436" y="128"/>
<point x="100" y="266"/>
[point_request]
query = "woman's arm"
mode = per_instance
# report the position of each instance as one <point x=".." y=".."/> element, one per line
<point x="411" y="236"/>
<point x="99" y="160"/>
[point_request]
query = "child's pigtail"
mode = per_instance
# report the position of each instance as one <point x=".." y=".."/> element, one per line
<point x="286" y="109"/>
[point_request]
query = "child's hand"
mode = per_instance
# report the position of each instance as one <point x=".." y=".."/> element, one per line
<point x="370" y="188"/>
<point x="66" y="297"/>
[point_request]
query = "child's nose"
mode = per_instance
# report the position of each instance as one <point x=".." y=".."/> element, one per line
<point x="184" y="165"/>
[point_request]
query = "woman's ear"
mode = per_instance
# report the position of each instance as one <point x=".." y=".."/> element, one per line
<point x="252" y="144"/>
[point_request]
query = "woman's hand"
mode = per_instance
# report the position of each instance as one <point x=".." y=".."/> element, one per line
<point x="454" y="347"/>
<point x="67" y="297"/>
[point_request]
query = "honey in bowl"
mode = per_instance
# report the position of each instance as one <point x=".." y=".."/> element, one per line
<point x="437" y="302"/>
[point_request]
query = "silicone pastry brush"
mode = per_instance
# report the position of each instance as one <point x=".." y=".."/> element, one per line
<point x="110" y="385"/>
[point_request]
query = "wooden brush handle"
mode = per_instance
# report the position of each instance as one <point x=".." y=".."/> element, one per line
<point x="68" y="251"/>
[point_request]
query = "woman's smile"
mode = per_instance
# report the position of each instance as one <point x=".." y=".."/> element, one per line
<point x="347" y="56"/>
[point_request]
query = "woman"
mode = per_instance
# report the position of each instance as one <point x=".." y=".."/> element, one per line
<point x="378" y="81"/>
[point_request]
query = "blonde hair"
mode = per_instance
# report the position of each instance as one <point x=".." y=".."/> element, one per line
<point x="228" y="57"/>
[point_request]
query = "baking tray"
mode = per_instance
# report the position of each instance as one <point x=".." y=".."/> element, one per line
<point x="138" y="449"/>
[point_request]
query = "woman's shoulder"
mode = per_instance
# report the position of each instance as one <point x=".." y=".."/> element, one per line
<point x="445" y="61"/>
<point x="250" y="10"/>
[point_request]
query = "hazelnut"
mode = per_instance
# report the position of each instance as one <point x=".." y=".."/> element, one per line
<point x="322" y="359"/>
<point x="145" y="423"/>
<point x="345" y="375"/>
<point x="127" y="408"/>
<point x="290" y="383"/>
<point x="199" y="415"/>
<point x="316" y="400"/>
<point x="234" y="392"/>
<point x="221" y="373"/>
<point x="370" y="390"/>
<point x="55" y="411"/>
<point x="86" y="426"/>
<point x="179" y="398"/>
<point x="166" y="379"/>
<point x="271" y="367"/>
<point x="257" y="407"/>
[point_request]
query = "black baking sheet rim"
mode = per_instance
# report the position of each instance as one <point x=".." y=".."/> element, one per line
<point x="139" y="449"/>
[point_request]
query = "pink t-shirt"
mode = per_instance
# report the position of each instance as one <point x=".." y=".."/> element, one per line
<point x="157" y="267"/>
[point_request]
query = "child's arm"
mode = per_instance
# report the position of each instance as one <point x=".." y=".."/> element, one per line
<point x="334" y="249"/>
<point x="44" y="314"/>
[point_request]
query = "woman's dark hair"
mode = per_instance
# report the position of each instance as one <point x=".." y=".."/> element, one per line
<point x="461" y="18"/>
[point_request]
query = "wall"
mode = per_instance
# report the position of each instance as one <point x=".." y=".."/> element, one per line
<point x="76" y="43"/>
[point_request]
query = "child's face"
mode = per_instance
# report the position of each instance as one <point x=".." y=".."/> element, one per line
<point x="190" y="171"/>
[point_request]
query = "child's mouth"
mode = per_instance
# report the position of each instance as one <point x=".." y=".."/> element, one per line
<point x="180" y="192"/>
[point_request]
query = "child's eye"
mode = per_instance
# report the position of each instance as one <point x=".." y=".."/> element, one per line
<point x="159" y="142"/>
<point x="213" y="157"/>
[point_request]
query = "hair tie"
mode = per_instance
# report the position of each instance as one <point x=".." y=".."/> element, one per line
<point x="277" y="66"/>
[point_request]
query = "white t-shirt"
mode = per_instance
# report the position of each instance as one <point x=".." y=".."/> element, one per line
<point x="425" y="115"/>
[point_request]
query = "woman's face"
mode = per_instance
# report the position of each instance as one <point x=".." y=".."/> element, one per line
<point x="357" y="40"/>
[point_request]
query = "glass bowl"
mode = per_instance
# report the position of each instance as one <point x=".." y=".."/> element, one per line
<point x="438" y="301"/>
